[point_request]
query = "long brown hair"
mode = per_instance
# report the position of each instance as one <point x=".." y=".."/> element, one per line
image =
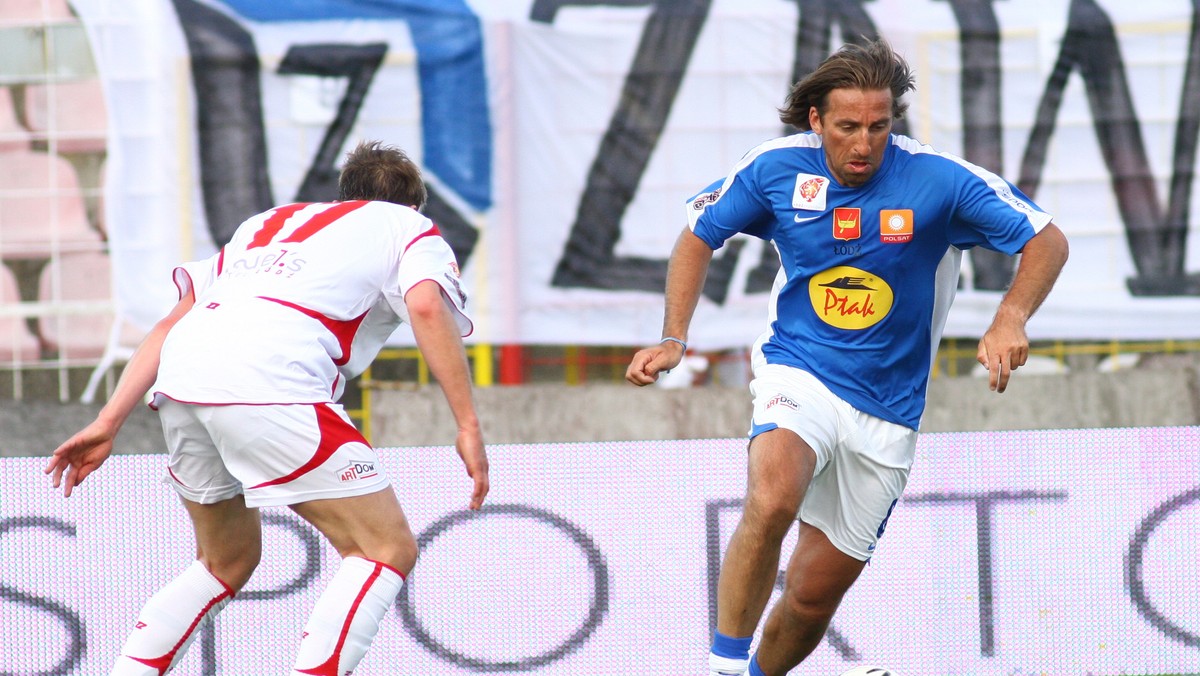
<point x="868" y="66"/>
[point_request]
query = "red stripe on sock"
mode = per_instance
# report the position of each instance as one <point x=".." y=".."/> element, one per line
<point x="330" y="666"/>
<point x="162" y="663"/>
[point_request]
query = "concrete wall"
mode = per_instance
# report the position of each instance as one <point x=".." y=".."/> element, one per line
<point x="546" y="413"/>
<point x="1163" y="396"/>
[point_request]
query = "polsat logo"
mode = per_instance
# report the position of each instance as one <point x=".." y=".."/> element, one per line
<point x="846" y="297"/>
<point x="356" y="470"/>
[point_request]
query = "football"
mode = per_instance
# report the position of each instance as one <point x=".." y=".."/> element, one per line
<point x="869" y="671"/>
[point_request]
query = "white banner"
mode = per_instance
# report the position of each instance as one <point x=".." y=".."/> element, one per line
<point x="1048" y="552"/>
<point x="560" y="140"/>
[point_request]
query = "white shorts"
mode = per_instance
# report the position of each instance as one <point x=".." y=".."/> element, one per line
<point x="862" y="461"/>
<point x="275" y="455"/>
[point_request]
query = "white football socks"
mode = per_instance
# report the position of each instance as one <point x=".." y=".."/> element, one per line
<point x="170" y="621"/>
<point x="346" y="617"/>
<point x="723" y="666"/>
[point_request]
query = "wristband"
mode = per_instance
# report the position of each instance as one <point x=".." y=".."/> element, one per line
<point x="670" y="339"/>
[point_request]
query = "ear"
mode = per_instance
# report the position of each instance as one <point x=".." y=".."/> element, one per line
<point x="814" y="119"/>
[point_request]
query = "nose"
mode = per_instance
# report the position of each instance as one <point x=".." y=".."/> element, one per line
<point x="861" y="143"/>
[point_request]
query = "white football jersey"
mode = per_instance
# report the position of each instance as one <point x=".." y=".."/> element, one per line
<point x="301" y="299"/>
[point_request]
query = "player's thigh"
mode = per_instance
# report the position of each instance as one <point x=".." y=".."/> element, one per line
<point x="819" y="573"/>
<point x="796" y="426"/>
<point x="780" y="466"/>
<point x="228" y="537"/>
<point x="372" y="526"/>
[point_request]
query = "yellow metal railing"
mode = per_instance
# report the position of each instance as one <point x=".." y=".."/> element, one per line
<point x="483" y="370"/>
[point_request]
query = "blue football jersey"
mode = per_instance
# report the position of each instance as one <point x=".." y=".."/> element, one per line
<point x="867" y="273"/>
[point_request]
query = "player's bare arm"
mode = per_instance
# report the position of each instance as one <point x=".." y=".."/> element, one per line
<point x="1005" y="345"/>
<point x="686" y="272"/>
<point x="441" y="345"/>
<point x="84" y="452"/>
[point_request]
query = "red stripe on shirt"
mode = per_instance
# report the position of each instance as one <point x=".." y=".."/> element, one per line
<point x="314" y="224"/>
<point x="274" y="224"/>
<point x="431" y="232"/>
<point x="342" y="329"/>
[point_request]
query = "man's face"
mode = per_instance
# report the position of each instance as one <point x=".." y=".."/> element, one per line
<point x="854" y="131"/>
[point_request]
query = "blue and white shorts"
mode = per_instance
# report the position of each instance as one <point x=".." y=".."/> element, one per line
<point x="862" y="460"/>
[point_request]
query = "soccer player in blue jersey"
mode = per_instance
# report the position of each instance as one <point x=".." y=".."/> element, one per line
<point x="869" y="226"/>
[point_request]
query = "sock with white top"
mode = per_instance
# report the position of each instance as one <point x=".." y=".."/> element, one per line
<point x="729" y="656"/>
<point x="170" y="621"/>
<point x="346" y="617"/>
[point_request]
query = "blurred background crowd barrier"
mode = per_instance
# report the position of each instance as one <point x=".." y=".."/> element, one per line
<point x="560" y="139"/>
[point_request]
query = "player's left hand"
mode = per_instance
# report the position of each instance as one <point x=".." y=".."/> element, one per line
<point x="80" y="455"/>
<point x="1003" y="349"/>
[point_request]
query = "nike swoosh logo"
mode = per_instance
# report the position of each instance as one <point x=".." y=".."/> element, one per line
<point x="805" y="220"/>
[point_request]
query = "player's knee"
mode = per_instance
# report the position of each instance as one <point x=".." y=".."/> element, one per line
<point x="771" y="513"/>
<point x="234" y="569"/>
<point x="400" y="553"/>
<point x="814" y="610"/>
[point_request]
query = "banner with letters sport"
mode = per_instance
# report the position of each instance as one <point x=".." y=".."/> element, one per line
<point x="1038" y="553"/>
<point x="561" y="139"/>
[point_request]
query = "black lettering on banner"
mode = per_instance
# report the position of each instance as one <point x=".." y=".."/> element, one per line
<point x="589" y="259"/>
<point x="310" y="546"/>
<point x="1157" y="241"/>
<point x="76" y="632"/>
<point x="979" y="97"/>
<point x="712" y="530"/>
<point x="596" y="612"/>
<point x="985" y="505"/>
<point x="232" y="136"/>
<point x="229" y="118"/>
<point x="1135" y="559"/>
<point x="358" y="64"/>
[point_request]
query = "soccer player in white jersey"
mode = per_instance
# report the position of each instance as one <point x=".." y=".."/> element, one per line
<point x="246" y="372"/>
<point x="869" y="226"/>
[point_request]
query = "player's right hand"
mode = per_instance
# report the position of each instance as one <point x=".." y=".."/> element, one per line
<point x="650" y="362"/>
<point x="80" y="455"/>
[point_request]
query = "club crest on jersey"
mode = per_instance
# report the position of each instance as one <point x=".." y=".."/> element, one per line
<point x="357" y="470"/>
<point x="810" y="192"/>
<point x="895" y="226"/>
<point x="847" y="223"/>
